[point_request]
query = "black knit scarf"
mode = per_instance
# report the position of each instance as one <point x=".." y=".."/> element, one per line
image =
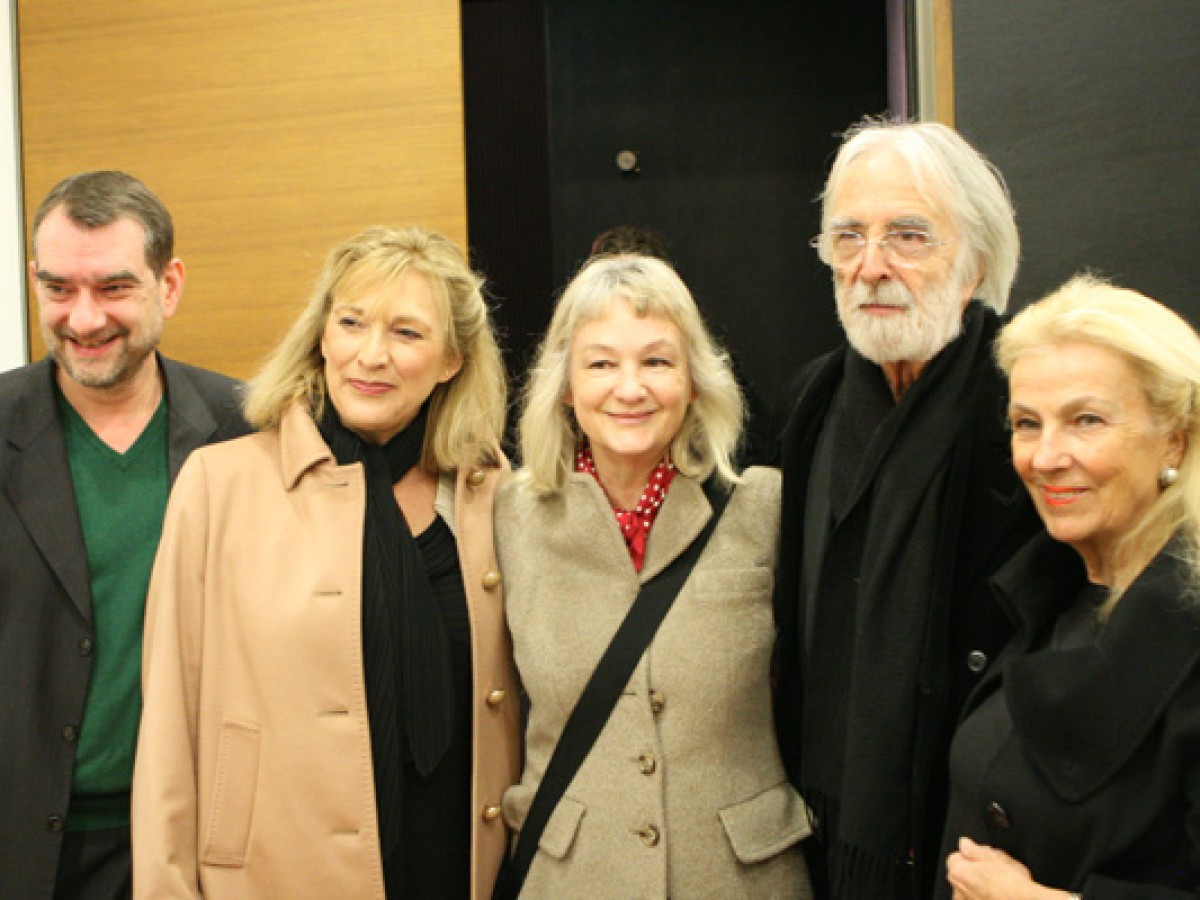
<point x="884" y="553"/>
<point x="406" y="653"/>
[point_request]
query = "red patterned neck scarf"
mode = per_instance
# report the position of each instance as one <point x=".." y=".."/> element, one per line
<point x="635" y="523"/>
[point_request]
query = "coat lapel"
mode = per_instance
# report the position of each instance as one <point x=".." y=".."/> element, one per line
<point x="190" y="424"/>
<point x="684" y="513"/>
<point x="587" y="511"/>
<point x="40" y="489"/>
<point x="1082" y="713"/>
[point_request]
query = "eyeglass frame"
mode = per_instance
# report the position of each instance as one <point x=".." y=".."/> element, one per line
<point x="896" y="256"/>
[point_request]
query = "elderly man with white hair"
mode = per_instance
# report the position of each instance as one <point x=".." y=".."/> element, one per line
<point x="899" y="501"/>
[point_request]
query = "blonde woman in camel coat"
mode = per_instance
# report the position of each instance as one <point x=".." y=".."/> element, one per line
<point x="257" y="772"/>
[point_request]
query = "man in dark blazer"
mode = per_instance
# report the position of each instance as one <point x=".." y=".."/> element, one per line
<point x="899" y="501"/>
<point x="90" y="439"/>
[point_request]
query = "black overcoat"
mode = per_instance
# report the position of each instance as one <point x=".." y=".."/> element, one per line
<point x="1097" y="786"/>
<point x="988" y="517"/>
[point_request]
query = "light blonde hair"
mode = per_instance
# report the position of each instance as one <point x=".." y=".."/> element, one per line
<point x="548" y="431"/>
<point x="1164" y="352"/>
<point x="953" y="176"/>
<point x="466" y="413"/>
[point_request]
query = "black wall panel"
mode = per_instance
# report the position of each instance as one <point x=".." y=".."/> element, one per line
<point x="734" y="109"/>
<point x="1092" y="111"/>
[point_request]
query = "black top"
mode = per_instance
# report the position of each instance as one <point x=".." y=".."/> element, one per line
<point x="435" y="851"/>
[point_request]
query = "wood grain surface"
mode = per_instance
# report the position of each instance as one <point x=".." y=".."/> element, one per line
<point x="270" y="129"/>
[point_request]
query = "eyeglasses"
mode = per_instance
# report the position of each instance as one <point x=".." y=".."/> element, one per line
<point x="904" y="246"/>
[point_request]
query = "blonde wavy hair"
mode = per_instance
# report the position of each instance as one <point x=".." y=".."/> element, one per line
<point x="1164" y="352"/>
<point x="466" y="413"/>
<point x="547" y="429"/>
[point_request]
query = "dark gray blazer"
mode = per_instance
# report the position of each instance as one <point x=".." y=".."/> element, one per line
<point x="46" y="632"/>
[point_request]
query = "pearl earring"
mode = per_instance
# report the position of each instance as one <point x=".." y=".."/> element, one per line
<point x="1167" y="477"/>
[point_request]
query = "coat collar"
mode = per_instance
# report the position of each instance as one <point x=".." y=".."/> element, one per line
<point x="684" y="513"/>
<point x="39" y="485"/>
<point x="37" y="410"/>
<point x="190" y="422"/>
<point x="820" y="382"/>
<point x="1082" y="713"/>
<point x="301" y="445"/>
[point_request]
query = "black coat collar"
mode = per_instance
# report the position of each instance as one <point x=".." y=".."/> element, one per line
<point x="1082" y="713"/>
<point x="39" y="486"/>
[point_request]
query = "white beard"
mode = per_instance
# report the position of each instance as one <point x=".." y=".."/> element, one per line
<point x="927" y="324"/>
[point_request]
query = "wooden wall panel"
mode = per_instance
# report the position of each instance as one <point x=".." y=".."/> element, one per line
<point x="270" y="129"/>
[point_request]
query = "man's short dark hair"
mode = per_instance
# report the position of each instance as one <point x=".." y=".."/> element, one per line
<point x="97" y="199"/>
<point x="632" y="239"/>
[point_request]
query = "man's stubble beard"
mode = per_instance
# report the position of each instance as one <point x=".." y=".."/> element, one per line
<point x="137" y="345"/>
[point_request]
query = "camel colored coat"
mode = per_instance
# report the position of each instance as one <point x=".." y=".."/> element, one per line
<point x="684" y="793"/>
<point x="253" y="776"/>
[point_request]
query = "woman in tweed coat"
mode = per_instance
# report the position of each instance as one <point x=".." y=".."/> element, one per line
<point x="629" y="410"/>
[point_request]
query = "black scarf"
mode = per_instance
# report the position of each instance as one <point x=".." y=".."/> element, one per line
<point x="883" y="555"/>
<point x="406" y="653"/>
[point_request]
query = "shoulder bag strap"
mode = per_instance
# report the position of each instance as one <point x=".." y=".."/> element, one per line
<point x="596" y="703"/>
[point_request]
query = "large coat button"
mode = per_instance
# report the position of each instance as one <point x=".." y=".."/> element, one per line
<point x="647" y="764"/>
<point x="496" y="697"/>
<point x="649" y="835"/>
<point x="491" y="813"/>
<point x="491" y="580"/>
<point x="977" y="661"/>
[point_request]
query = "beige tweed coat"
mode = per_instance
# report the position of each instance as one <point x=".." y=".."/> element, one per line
<point x="684" y="794"/>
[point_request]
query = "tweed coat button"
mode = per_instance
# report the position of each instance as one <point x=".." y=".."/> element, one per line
<point x="475" y="479"/>
<point x="999" y="815"/>
<point x="496" y="697"/>
<point x="977" y="661"/>
<point x="647" y="764"/>
<point x="649" y="835"/>
<point x="657" y="701"/>
<point x="491" y="813"/>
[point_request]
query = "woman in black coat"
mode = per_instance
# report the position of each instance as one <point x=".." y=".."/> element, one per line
<point x="1075" y="771"/>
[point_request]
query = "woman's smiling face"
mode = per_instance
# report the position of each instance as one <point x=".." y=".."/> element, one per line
<point x="1085" y="442"/>
<point x="629" y="386"/>
<point x="385" y="351"/>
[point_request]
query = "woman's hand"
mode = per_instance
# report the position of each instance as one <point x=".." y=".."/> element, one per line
<point x="978" y="872"/>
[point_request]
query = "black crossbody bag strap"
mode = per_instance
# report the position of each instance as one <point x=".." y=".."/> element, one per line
<point x="596" y="703"/>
